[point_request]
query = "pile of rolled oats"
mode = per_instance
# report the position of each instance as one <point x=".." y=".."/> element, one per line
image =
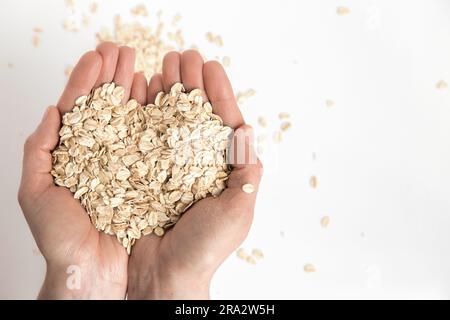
<point x="136" y="168"/>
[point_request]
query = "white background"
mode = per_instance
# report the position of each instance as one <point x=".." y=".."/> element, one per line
<point x="382" y="152"/>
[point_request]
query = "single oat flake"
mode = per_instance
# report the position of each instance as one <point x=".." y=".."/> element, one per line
<point x="226" y="61"/>
<point x="313" y="182"/>
<point x="329" y="103"/>
<point x="342" y="11"/>
<point x="285" y="126"/>
<point x="137" y="168"/>
<point x="277" y="136"/>
<point x="248" y="188"/>
<point x="325" y="221"/>
<point x="243" y="96"/>
<point x="309" y="268"/>
<point x="36" y="40"/>
<point x="284" y="115"/>
<point x="262" y="122"/>
<point x="257" y="254"/>
<point x="93" y="7"/>
<point x="440" y="85"/>
<point x="250" y="260"/>
<point x="240" y="253"/>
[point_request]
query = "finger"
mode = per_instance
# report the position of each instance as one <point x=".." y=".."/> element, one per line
<point x="139" y="88"/>
<point x="192" y="71"/>
<point x="110" y="53"/>
<point x="221" y="95"/>
<point x="247" y="170"/>
<point x="125" y="70"/>
<point x="154" y="87"/>
<point x="81" y="81"/>
<point x="37" y="161"/>
<point x="171" y="73"/>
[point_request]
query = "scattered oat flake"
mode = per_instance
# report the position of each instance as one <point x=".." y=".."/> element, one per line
<point x="240" y="253"/>
<point x="70" y="4"/>
<point x="342" y="11"/>
<point x="262" y="122"/>
<point x="277" y="136"/>
<point x="329" y="103"/>
<point x="177" y="37"/>
<point x="257" y="254"/>
<point x="36" y="40"/>
<point x="242" y="96"/>
<point x="70" y="25"/>
<point x="214" y="39"/>
<point x="150" y="42"/>
<point x="248" y="188"/>
<point x="440" y="85"/>
<point x="250" y="260"/>
<point x="93" y="7"/>
<point x="85" y="20"/>
<point x="176" y="19"/>
<point x="285" y="126"/>
<point x="284" y="115"/>
<point x="37" y="29"/>
<point x="313" y="182"/>
<point x="139" y="10"/>
<point x="325" y="221"/>
<point x="309" y="268"/>
<point x="226" y="61"/>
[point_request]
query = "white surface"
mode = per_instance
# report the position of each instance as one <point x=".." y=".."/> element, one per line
<point x="383" y="153"/>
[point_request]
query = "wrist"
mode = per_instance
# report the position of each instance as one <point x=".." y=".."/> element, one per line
<point x="179" y="288"/>
<point x="79" y="282"/>
<point x="168" y="286"/>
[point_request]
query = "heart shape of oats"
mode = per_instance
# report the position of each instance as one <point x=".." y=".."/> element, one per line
<point x="136" y="168"/>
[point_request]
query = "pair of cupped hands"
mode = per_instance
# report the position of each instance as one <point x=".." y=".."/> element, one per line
<point x="179" y="265"/>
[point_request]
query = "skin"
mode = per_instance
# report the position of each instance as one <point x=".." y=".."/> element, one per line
<point x="179" y="265"/>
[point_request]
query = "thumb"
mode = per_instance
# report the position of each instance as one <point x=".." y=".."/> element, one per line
<point x="245" y="177"/>
<point x="37" y="160"/>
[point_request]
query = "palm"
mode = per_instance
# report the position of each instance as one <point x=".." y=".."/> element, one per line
<point x="72" y="238"/>
<point x="200" y="241"/>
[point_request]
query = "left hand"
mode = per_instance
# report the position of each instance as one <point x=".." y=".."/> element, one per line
<point x="180" y="265"/>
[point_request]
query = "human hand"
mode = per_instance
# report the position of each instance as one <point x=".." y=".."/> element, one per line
<point x="60" y="225"/>
<point x="181" y="264"/>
